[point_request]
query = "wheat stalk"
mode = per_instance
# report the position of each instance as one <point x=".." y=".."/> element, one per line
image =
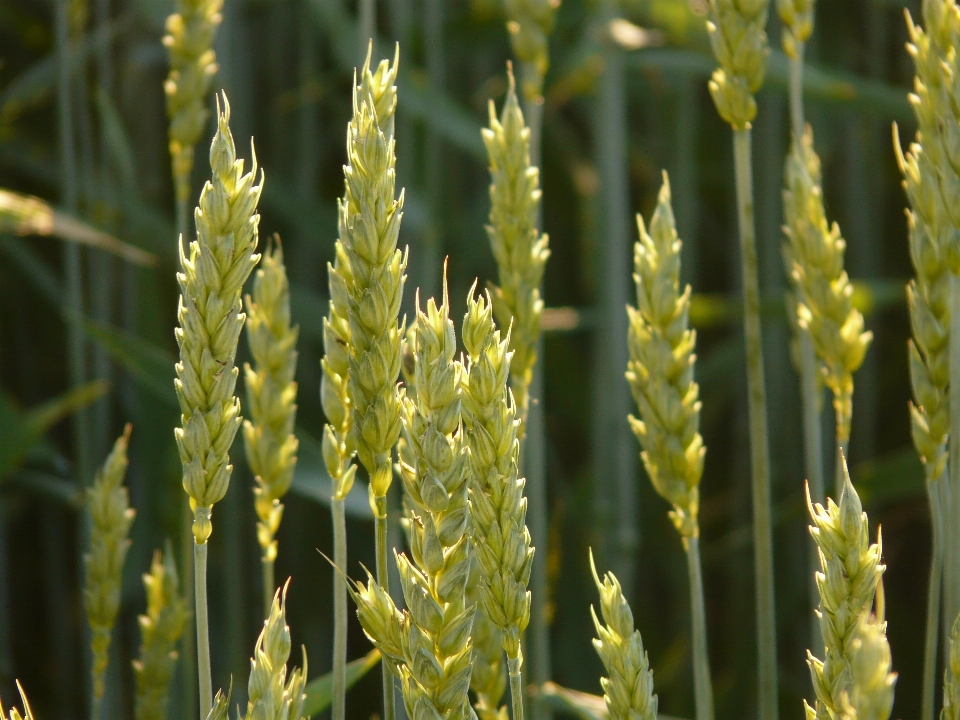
<point x="366" y="286"/>
<point x="736" y="30"/>
<point x="272" y="693"/>
<point x="497" y="504"/>
<point x="14" y="713"/>
<point x="848" y="579"/>
<point x="160" y="630"/>
<point x="189" y="43"/>
<point x="111" y="517"/>
<point x="660" y="373"/>
<point x="211" y="317"/>
<point x="951" y="676"/>
<point x="268" y="439"/>
<point x="628" y="691"/>
<point x="428" y="645"/>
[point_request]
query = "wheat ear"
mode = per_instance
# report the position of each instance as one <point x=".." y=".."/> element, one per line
<point x="160" y="630"/>
<point x="530" y="23"/>
<point x="951" y="676"/>
<point x="189" y="43"/>
<point x="736" y="30"/>
<point x="660" y="374"/>
<point x="428" y="645"/>
<point x="210" y="314"/>
<point x="628" y="689"/>
<point x="268" y="438"/>
<point x="14" y="713"/>
<point x="272" y="693"/>
<point x="847" y="581"/>
<point x="111" y="517"/>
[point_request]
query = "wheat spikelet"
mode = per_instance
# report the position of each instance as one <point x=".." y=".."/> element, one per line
<point x="160" y="630"/>
<point x="872" y="683"/>
<point x="628" y="691"/>
<point x="520" y="250"/>
<point x="272" y="693"/>
<point x="14" y="713"/>
<point x="797" y="19"/>
<point x="489" y="679"/>
<point x="111" y="516"/>
<point x="210" y="318"/>
<point x="530" y="23"/>
<point x="660" y="371"/>
<point x="189" y="43"/>
<point x="813" y="255"/>
<point x="736" y="30"/>
<point x="271" y="394"/>
<point x="850" y="572"/>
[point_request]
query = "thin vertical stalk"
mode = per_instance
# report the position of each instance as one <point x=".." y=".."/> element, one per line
<point x="759" y="450"/>
<point x="931" y="636"/>
<point x="796" y="92"/>
<point x="516" y="687"/>
<point x="269" y="581"/>
<point x="698" y="616"/>
<point x="843" y="447"/>
<point x="203" y="626"/>
<point x="338" y="710"/>
<point x="367" y="26"/>
<point x="431" y="240"/>
<point x="952" y="527"/>
<point x="383" y="579"/>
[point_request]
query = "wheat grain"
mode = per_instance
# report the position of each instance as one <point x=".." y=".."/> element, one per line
<point x="268" y="439"/>
<point x="111" y="516"/>
<point x="520" y="250"/>
<point x="628" y="689"/>
<point x="160" y="630"/>
<point x="272" y="693"/>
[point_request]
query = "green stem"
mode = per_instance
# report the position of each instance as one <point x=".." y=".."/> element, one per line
<point x="796" y="93"/>
<point x="701" y="657"/>
<point x="188" y="644"/>
<point x="203" y="625"/>
<point x="840" y="478"/>
<point x="338" y="709"/>
<point x="516" y="686"/>
<point x="367" y="26"/>
<point x="952" y="526"/>
<point x="933" y="602"/>
<point x="383" y="580"/>
<point x="812" y="396"/>
<point x="759" y="449"/>
<point x="269" y="586"/>
<point x="183" y="220"/>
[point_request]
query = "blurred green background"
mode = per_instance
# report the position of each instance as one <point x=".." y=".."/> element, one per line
<point x="625" y="97"/>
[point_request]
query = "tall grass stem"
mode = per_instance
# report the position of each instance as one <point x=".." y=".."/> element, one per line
<point x="796" y="92"/>
<point x="952" y="527"/>
<point x="701" y="657"/>
<point x="383" y="580"/>
<point x="516" y="686"/>
<point x="338" y="710"/>
<point x="931" y="635"/>
<point x="759" y="449"/>
<point x="203" y="627"/>
<point x="812" y="396"/>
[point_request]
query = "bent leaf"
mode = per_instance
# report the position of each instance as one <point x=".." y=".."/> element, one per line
<point x="320" y="690"/>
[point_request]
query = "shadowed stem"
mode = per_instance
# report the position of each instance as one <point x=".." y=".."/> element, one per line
<point x="698" y="616"/>
<point x="269" y="585"/>
<point x="952" y="526"/>
<point x="516" y="685"/>
<point x="383" y="580"/>
<point x="759" y="449"/>
<point x="934" y="492"/>
<point x="843" y="447"/>
<point x="203" y="627"/>
<point x="338" y="709"/>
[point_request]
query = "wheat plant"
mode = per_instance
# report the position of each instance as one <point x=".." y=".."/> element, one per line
<point x="210" y="314"/>
<point x="268" y="438"/>
<point x="13" y="713"/>
<point x="872" y="683"/>
<point x="951" y="675"/>
<point x="111" y="517"/>
<point x="660" y="374"/>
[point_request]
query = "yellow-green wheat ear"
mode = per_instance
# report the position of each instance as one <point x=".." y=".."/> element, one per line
<point x="268" y="437"/>
<point x="13" y="713"/>
<point x="660" y="370"/>
<point x="189" y="43"/>
<point x="628" y="691"/>
<point x="951" y="676"/>
<point x="871" y="682"/>
<point x="530" y="23"/>
<point x="736" y="29"/>
<point x="275" y="694"/>
<point x="108" y="506"/>
<point x="521" y="251"/>
<point x="850" y="570"/>
<point x="813" y="254"/>
<point x="796" y="16"/>
<point x="221" y="704"/>
<point x="160" y="630"/>
<point x="213" y="270"/>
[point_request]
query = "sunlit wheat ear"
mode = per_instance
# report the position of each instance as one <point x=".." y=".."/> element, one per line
<point x="270" y="443"/>
<point x="736" y="30"/>
<point x="111" y="517"/>
<point x="160" y="630"/>
<point x="813" y="254"/>
<point x="628" y="687"/>
<point x="214" y="268"/>
<point x="530" y="23"/>
<point x="189" y="42"/>
<point x="521" y="251"/>
<point x="272" y="692"/>
<point x="870" y="696"/>
<point x="796" y="17"/>
<point x="15" y="714"/>
<point x="850" y="571"/>
<point x="660" y="371"/>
